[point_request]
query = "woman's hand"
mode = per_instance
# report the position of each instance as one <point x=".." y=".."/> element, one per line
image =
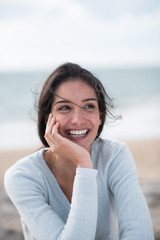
<point x="65" y="148"/>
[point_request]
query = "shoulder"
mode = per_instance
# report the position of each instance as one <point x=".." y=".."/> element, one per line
<point x="26" y="163"/>
<point x="107" y="147"/>
<point x="25" y="171"/>
<point x="108" y="152"/>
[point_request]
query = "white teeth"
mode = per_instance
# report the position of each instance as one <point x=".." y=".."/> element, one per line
<point x="77" y="132"/>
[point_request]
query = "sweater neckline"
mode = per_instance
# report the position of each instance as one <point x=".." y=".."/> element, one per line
<point x="52" y="178"/>
<point x="61" y="196"/>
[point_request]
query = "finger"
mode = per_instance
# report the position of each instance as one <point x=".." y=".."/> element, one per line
<point x="53" y="137"/>
<point x="55" y="129"/>
<point x="48" y="131"/>
<point x="49" y="138"/>
<point x="57" y="138"/>
<point x="50" y="125"/>
<point x="49" y="119"/>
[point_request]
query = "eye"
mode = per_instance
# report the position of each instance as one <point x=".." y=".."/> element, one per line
<point x="89" y="106"/>
<point x="64" y="108"/>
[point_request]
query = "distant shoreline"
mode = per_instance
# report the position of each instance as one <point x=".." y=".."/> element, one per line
<point x="146" y="154"/>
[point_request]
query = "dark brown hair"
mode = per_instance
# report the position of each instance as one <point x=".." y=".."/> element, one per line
<point x="62" y="74"/>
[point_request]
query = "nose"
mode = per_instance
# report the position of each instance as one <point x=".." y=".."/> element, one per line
<point x="77" y="116"/>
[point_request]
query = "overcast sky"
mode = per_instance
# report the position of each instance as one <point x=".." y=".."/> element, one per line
<point x="38" y="34"/>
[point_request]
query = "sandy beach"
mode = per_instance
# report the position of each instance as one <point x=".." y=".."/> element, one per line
<point x="147" y="158"/>
<point x="146" y="155"/>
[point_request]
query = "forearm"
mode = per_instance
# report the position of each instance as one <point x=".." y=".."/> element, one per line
<point x="82" y="219"/>
<point x="133" y="213"/>
<point x="43" y="223"/>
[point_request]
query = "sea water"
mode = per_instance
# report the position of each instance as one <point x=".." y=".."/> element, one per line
<point x="135" y="93"/>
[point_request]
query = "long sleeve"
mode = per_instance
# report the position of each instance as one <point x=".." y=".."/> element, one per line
<point x="133" y="214"/>
<point x="27" y="194"/>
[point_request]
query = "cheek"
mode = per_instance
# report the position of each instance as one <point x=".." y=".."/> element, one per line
<point x="61" y="119"/>
<point x="58" y="117"/>
<point x="98" y="121"/>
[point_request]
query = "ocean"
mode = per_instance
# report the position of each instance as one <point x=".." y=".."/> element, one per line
<point x="135" y="93"/>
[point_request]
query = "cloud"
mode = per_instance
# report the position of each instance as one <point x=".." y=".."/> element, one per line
<point x="107" y="9"/>
<point x="38" y="34"/>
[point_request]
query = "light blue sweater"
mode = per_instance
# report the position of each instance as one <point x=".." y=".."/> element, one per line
<point x="97" y="201"/>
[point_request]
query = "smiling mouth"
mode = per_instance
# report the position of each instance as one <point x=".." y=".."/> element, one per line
<point x="77" y="133"/>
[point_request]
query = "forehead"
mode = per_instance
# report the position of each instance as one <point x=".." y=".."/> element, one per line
<point x="75" y="90"/>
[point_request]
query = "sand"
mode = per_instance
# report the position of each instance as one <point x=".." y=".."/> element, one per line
<point x="147" y="158"/>
<point x="146" y="155"/>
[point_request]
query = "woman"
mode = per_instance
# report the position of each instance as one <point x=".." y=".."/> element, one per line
<point x="78" y="185"/>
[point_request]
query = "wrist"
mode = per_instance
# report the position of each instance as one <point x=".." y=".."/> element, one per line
<point x="85" y="164"/>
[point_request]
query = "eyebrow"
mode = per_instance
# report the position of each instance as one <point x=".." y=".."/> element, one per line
<point x="89" y="99"/>
<point x="67" y="101"/>
<point x="63" y="101"/>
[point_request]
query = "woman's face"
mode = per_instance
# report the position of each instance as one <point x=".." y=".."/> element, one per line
<point x="75" y="107"/>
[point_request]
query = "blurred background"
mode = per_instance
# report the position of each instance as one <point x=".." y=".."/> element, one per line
<point x="118" y="41"/>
